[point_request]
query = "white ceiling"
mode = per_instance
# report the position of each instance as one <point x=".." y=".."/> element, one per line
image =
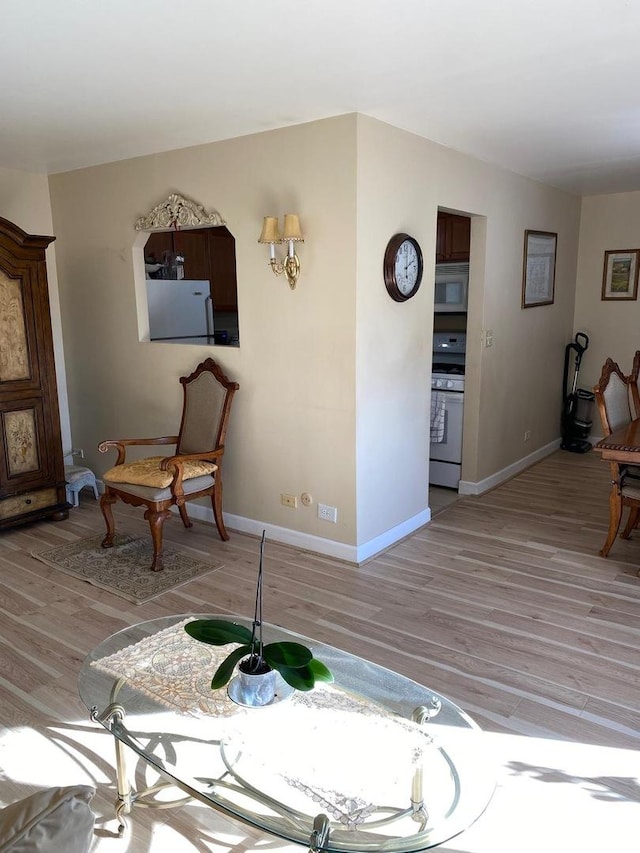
<point x="546" y="88"/>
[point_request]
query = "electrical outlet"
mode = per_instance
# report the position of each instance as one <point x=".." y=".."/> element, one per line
<point x="527" y="435"/>
<point x="328" y="513"/>
<point x="488" y="338"/>
<point x="289" y="500"/>
<point x="306" y="499"/>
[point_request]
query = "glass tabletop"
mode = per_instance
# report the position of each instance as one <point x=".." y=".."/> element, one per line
<point x="374" y="761"/>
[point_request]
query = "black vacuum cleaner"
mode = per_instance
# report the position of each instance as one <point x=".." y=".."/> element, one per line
<point x="576" y="403"/>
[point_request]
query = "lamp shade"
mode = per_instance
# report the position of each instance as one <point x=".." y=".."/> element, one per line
<point x="292" y="228"/>
<point x="270" y="232"/>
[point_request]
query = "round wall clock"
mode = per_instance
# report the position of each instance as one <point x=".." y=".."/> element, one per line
<point x="402" y="267"/>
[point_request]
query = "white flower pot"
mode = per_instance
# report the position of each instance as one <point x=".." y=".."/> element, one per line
<point x="255" y="688"/>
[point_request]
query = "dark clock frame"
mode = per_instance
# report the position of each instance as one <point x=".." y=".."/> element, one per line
<point x="389" y="267"/>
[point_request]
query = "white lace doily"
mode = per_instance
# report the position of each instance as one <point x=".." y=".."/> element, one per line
<point x="174" y="669"/>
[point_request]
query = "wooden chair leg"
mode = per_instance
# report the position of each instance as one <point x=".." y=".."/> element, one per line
<point x="632" y="522"/>
<point x="156" y="521"/>
<point x="216" y="503"/>
<point x="107" y="499"/>
<point x="615" y="514"/>
<point x="182" y="509"/>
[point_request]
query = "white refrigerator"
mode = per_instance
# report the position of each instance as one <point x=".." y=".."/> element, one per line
<point x="179" y="308"/>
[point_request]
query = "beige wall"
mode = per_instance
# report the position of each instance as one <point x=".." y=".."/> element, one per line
<point x="24" y="200"/>
<point x="513" y="386"/>
<point x="292" y="428"/>
<point x="608" y="222"/>
<point x="393" y="338"/>
<point x="334" y="376"/>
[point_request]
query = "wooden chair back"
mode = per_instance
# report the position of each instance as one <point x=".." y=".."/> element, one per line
<point x="633" y="383"/>
<point x="612" y="397"/>
<point x="207" y="394"/>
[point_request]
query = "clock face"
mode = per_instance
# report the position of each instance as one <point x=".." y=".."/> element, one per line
<point x="402" y="267"/>
<point x="406" y="267"/>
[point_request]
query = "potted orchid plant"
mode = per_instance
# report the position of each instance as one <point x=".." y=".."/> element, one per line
<point x="257" y="661"/>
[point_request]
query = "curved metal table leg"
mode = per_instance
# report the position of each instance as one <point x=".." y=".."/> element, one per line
<point x="320" y="834"/>
<point x="422" y="714"/>
<point x="124" y="801"/>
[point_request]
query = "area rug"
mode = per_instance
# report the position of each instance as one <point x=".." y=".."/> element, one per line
<point x="124" y="569"/>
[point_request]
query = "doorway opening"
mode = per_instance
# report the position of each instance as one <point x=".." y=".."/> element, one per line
<point x="453" y="245"/>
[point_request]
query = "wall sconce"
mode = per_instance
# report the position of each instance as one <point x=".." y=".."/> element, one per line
<point x="270" y="234"/>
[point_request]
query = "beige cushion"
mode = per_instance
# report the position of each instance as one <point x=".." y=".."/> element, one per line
<point x="148" y="493"/>
<point x="57" y="820"/>
<point x="147" y="472"/>
<point x="629" y="490"/>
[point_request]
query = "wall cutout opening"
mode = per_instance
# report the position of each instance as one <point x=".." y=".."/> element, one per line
<point x="190" y="275"/>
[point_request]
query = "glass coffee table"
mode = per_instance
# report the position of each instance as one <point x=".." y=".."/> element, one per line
<point x="372" y="762"/>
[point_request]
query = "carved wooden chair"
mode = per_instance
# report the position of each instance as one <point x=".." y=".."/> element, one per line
<point x="633" y="383"/>
<point x="195" y="471"/>
<point x="614" y="406"/>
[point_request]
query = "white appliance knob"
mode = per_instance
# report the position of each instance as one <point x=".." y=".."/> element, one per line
<point x="449" y="383"/>
<point x="438" y="383"/>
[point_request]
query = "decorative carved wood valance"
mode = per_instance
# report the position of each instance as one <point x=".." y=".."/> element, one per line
<point x="179" y="212"/>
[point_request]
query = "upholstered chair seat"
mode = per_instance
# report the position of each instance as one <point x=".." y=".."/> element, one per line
<point x="152" y="493"/>
<point x="148" y="472"/>
<point x="630" y="490"/>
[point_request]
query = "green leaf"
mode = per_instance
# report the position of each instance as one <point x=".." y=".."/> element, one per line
<point x="224" y="672"/>
<point x="286" y="654"/>
<point x="320" y="671"/>
<point x="301" y="677"/>
<point x="217" y="632"/>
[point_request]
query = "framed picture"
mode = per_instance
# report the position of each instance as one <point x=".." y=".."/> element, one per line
<point x="620" y="276"/>
<point x="539" y="269"/>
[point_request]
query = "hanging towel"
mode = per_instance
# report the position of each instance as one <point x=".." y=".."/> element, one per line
<point x="437" y="418"/>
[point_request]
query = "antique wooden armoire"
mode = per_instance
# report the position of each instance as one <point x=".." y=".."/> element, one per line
<point x="32" y="484"/>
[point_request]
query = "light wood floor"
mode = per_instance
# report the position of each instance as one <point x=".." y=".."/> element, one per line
<point x="501" y="603"/>
<point x="441" y="498"/>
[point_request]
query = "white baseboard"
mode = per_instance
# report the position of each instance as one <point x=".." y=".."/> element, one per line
<point x="467" y="487"/>
<point x="286" y="536"/>
<point x="306" y="541"/>
<point x="390" y="537"/>
<point x="317" y="544"/>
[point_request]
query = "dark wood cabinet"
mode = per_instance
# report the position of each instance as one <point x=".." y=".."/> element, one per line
<point x="32" y="484"/>
<point x="194" y="248"/>
<point x="209" y="255"/>
<point x="453" y="238"/>
<point x="222" y="263"/>
<point x="157" y="245"/>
